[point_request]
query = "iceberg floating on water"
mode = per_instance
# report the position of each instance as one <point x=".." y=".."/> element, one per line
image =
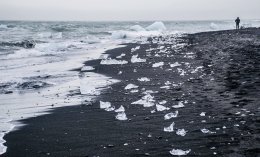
<point x="157" y="26"/>
<point x="137" y="28"/>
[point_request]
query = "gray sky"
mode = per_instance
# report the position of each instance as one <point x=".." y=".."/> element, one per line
<point x="99" y="10"/>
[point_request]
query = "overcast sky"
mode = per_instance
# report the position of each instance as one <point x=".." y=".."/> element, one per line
<point x="110" y="10"/>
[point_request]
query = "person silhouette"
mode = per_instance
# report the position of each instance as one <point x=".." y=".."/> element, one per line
<point x="237" y="22"/>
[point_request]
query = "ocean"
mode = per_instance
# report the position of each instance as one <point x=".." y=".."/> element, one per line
<point x="38" y="61"/>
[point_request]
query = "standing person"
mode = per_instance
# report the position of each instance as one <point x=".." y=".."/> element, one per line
<point x="237" y="22"/>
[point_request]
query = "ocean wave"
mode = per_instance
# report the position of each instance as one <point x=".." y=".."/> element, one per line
<point x="24" y="44"/>
<point x="51" y="35"/>
<point x="136" y="31"/>
<point x="2" y="26"/>
<point x="33" y="85"/>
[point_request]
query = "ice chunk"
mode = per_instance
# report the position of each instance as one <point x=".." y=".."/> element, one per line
<point x="3" y="26"/>
<point x="146" y="101"/>
<point x="122" y="55"/>
<point x="176" y="64"/>
<point x="180" y="105"/>
<point x="171" y="115"/>
<point x="130" y="86"/>
<point x="112" y="62"/>
<point x="135" y="59"/>
<point x="119" y="35"/>
<point x="159" y="64"/>
<point x="135" y="49"/>
<point x="87" y="68"/>
<point x="181" y="132"/>
<point x="165" y="87"/>
<point x="161" y="108"/>
<point x="144" y="79"/>
<point x="163" y="102"/>
<point x="179" y="152"/>
<point x="181" y="71"/>
<point x="120" y="109"/>
<point x="157" y="26"/>
<point x="121" y="116"/>
<point x="109" y="109"/>
<point x="206" y="131"/>
<point x="104" y="105"/>
<point x="203" y="114"/>
<point x="137" y="28"/>
<point x="134" y="91"/>
<point x="169" y="128"/>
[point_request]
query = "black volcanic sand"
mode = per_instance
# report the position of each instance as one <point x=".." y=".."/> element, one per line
<point x="226" y="86"/>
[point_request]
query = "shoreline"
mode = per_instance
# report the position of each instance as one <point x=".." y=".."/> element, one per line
<point x="66" y="132"/>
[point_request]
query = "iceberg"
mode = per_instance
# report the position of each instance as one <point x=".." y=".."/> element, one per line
<point x="137" y="28"/>
<point x="157" y="26"/>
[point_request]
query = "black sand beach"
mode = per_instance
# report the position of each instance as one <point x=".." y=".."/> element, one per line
<point x="218" y="82"/>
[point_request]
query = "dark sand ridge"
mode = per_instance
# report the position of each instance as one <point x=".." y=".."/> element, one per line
<point x="225" y="86"/>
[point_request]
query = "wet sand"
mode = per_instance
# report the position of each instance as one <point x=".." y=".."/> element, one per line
<point x="217" y="79"/>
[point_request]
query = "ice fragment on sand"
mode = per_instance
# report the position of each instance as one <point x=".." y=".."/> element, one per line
<point x="107" y="106"/>
<point x="135" y="59"/>
<point x="206" y="131"/>
<point x="143" y="79"/>
<point x="113" y="61"/>
<point x="181" y="71"/>
<point x="161" y="108"/>
<point x="130" y="86"/>
<point x="171" y="115"/>
<point x="122" y="55"/>
<point x="135" y="49"/>
<point x="121" y="116"/>
<point x="159" y="64"/>
<point x="181" y="132"/>
<point x="146" y="101"/>
<point x="203" y="114"/>
<point x="179" y="152"/>
<point x="169" y="128"/>
<point x="180" y="105"/>
<point x="162" y="102"/>
<point x="176" y="64"/>
<point x="120" y="109"/>
<point x="87" y="68"/>
<point x="134" y="91"/>
<point x="109" y="109"/>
